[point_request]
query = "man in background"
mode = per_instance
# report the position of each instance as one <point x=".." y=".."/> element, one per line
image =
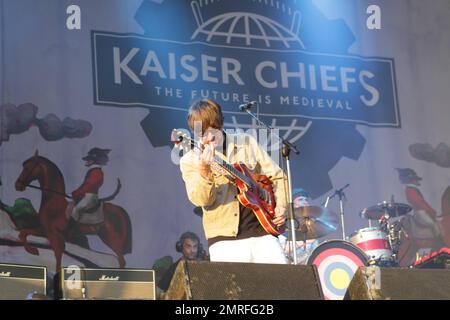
<point x="191" y="249"/>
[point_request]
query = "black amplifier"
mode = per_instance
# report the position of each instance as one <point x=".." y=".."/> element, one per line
<point x="18" y="281"/>
<point x="87" y="283"/>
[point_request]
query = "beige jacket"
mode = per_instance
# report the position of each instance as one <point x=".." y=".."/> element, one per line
<point x="218" y="197"/>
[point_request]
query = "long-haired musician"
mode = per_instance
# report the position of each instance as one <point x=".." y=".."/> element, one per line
<point x="233" y="231"/>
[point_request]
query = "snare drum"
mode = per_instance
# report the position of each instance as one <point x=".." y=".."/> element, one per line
<point x="374" y="242"/>
<point x="337" y="261"/>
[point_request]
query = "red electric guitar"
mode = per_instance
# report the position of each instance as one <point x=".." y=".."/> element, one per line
<point x="255" y="191"/>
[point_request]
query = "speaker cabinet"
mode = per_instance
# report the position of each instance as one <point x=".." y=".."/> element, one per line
<point x="374" y="283"/>
<point x="17" y="282"/>
<point x="86" y="283"/>
<point x="199" y="280"/>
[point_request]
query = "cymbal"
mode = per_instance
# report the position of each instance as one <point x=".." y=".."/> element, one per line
<point x="310" y="211"/>
<point x="393" y="209"/>
<point x="314" y="222"/>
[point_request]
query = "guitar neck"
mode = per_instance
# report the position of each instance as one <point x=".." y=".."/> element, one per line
<point x="222" y="163"/>
<point x="232" y="170"/>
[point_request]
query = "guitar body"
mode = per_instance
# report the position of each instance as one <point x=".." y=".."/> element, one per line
<point x="262" y="205"/>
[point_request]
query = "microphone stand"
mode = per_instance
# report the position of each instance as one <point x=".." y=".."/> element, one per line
<point x="285" y="152"/>
<point x="340" y="193"/>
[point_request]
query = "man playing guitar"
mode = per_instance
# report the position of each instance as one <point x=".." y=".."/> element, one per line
<point x="235" y="233"/>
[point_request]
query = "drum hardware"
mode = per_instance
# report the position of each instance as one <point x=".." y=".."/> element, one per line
<point x="303" y="250"/>
<point x="386" y="209"/>
<point x="390" y="263"/>
<point x="385" y="239"/>
<point x="340" y="193"/>
<point x="394" y="239"/>
<point x="313" y="222"/>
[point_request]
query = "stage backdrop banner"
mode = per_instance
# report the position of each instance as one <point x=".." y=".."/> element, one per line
<point x="360" y="87"/>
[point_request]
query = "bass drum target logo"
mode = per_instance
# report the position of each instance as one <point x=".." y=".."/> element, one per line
<point x="337" y="262"/>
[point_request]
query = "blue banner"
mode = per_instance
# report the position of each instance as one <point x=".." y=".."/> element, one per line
<point x="132" y="70"/>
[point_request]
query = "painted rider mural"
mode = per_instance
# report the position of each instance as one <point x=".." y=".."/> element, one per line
<point x="86" y="207"/>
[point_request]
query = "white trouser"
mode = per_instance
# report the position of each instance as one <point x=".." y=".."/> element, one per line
<point x="263" y="249"/>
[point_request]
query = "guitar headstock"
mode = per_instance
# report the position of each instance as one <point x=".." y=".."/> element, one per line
<point x="181" y="138"/>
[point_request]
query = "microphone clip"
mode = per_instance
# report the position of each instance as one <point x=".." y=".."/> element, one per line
<point x="246" y="106"/>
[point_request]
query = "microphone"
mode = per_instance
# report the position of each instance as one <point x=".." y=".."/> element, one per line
<point x="248" y="105"/>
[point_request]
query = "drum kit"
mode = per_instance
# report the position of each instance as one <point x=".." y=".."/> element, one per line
<point x="379" y="244"/>
<point x="337" y="260"/>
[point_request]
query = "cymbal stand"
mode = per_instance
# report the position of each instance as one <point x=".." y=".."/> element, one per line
<point x="389" y="230"/>
<point x="303" y="228"/>
<point x="341" y="196"/>
<point x="293" y="246"/>
<point x="327" y="201"/>
<point x="340" y="193"/>
<point x="384" y="219"/>
<point x="393" y="241"/>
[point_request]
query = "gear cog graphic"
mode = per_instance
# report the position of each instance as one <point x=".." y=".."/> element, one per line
<point x="292" y="24"/>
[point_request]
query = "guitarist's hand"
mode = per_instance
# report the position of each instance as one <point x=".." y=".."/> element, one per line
<point x="207" y="155"/>
<point x="206" y="158"/>
<point x="280" y="216"/>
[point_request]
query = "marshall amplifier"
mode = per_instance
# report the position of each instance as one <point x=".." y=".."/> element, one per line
<point x="85" y="283"/>
<point x="17" y="282"/>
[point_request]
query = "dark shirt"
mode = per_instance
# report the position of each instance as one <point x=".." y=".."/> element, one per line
<point x="164" y="282"/>
<point x="249" y="225"/>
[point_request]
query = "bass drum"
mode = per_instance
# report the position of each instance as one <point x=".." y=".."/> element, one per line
<point x="337" y="261"/>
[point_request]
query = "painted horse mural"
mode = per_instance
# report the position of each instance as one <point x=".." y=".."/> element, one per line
<point x="115" y="231"/>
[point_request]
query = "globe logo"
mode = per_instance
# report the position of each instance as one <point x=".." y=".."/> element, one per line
<point x="245" y="28"/>
<point x="255" y="30"/>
